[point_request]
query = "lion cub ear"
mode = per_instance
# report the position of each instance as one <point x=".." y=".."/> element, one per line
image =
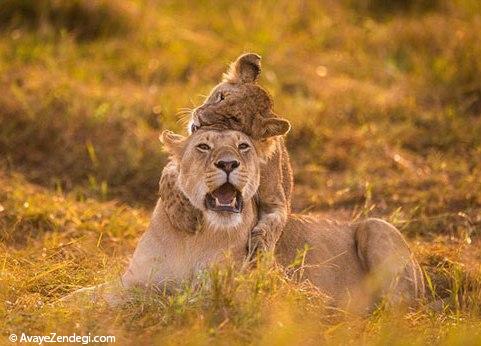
<point x="173" y="143"/>
<point x="271" y="127"/>
<point x="246" y="69"/>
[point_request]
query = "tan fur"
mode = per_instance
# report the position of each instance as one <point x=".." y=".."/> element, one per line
<point x="166" y="254"/>
<point x="175" y="203"/>
<point x="353" y="263"/>
<point x="238" y="103"/>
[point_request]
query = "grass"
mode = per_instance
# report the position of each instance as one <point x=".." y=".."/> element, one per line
<point x="385" y="104"/>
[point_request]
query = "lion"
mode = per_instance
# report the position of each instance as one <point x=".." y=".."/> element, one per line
<point x="239" y="103"/>
<point x="355" y="264"/>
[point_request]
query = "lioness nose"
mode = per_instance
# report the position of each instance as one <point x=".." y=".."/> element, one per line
<point x="227" y="166"/>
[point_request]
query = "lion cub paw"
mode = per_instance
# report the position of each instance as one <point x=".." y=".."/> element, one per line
<point x="257" y="243"/>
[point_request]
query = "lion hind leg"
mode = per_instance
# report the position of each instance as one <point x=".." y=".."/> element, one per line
<point x="182" y="215"/>
<point x="392" y="271"/>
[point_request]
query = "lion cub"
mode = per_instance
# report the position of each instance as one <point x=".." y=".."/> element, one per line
<point x="238" y="103"/>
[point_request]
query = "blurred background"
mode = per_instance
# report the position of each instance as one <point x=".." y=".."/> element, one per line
<point x="385" y="103"/>
<point x="384" y="97"/>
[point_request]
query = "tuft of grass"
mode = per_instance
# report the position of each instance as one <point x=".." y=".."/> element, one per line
<point x="88" y="242"/>
<point x="384" y="100"/>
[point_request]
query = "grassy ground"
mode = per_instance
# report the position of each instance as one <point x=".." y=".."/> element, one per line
<point x="385" y="103"/>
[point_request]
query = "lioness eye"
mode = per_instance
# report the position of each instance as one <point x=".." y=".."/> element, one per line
<point x="203" y="147"/>
<point x="244" y="146"/>
<point x="220" y="97"/>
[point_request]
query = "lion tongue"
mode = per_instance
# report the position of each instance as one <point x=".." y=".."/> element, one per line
<point x="225" y="194"/>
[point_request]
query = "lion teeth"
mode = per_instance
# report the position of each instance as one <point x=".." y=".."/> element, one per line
<point x="231" y="204"/>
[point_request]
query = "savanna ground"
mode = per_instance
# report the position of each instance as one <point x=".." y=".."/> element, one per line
<point x="385" y="103"/>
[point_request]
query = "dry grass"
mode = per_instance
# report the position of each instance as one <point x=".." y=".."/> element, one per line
<point x="385" y="103"/>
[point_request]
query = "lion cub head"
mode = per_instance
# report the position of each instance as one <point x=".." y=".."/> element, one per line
<point x="238" y="103"/>
<point x="218" y="172"/>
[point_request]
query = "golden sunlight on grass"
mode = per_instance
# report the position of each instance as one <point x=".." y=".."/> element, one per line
<point x="385" y="104"/>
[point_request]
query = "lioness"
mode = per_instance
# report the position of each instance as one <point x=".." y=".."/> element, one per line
<point x="239" y="103"/>
<point x="353" y="263"/>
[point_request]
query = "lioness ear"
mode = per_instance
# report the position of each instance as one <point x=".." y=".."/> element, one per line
<point x="271" y="127"/>
<point x="173" y="143"/>
<point x="246" y="69"/>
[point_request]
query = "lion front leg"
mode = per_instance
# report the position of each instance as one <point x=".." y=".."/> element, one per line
<point x="258" y="242"/>
<point x="266" y="233"/>
<point x="273" y="206"/>
<point x="111" y="293"/>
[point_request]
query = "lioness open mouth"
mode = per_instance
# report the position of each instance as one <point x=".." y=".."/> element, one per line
<point x="224" y="198"/>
